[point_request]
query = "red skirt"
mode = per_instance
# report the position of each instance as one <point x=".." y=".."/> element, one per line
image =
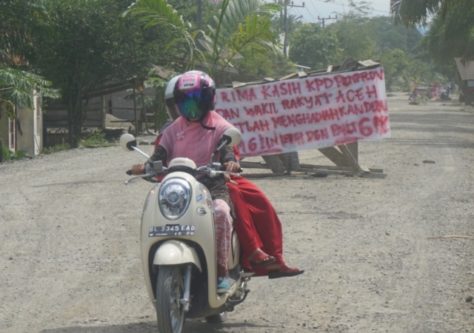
<point x="257" y="225"/>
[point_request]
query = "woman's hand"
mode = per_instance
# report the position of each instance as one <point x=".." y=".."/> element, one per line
<point x="138" y="169"/>
<point x="232" y="166"/>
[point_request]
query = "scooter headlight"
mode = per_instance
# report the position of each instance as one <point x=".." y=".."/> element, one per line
<point x="174" y="198"/>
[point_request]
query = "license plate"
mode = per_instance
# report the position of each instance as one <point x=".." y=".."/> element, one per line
<point x="172" y="230"/>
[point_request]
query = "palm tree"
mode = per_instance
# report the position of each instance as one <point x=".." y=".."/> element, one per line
<point x="17" y="86"/>
<point x="451" y="31"/>
<point x="417" y="11"/>
<point x="160" y="14"/>
<point x="240" y="24"/>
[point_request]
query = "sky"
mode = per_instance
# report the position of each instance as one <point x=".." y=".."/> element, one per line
<point x="319" y="8"/>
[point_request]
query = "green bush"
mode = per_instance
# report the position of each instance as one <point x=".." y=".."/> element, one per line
<point x="56" y="148"/>
<point x="8" y="155"/>
<point x="94" y="140"/>
<point x="5" y="153"/>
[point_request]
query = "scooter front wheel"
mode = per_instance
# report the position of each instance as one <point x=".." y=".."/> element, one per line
<point x="218" y="318"/>
<point x="169" y="290"/>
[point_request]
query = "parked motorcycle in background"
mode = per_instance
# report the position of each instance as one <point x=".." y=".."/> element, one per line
<point x="178" y="244"/>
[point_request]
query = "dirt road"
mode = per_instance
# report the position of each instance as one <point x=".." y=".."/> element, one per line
<point x="381" y="255"/>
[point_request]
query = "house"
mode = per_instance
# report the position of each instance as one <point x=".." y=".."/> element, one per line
<point x="24" y="132"/>
<point x="108" y="107"/>
<point x="466" y="75"/>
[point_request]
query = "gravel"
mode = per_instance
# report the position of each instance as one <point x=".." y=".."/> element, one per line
<point x="392" y="254"/>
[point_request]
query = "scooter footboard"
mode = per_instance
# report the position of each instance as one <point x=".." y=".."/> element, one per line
<point x="175" y="252"/>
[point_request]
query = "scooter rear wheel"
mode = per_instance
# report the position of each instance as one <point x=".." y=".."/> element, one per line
<point x="169" y="290"/>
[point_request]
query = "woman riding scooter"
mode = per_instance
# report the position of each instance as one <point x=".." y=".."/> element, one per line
<point x="258" y="226"/>
<point x="195" y="135"/>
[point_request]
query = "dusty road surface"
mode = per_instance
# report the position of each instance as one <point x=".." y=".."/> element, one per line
<point x="381" y="255"/>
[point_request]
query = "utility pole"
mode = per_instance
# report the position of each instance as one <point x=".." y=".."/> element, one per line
<point x="323" y="20"/>
<point x="393" y="4"/>
<point x="286" y="4"/>
<point x="199" y="13"/>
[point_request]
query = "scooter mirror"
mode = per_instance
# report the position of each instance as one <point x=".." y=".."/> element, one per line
<point x="231" y="137"/>
<point x="234" y="136"/>
<point x="128" y="141"/>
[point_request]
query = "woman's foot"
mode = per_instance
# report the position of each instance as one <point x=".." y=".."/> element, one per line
<point x="279" y="270"/>
<point x="224" y="284"/>
<point x="261" y="259"/>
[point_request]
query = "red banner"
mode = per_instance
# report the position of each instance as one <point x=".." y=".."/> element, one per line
<point x="312" y="112"/>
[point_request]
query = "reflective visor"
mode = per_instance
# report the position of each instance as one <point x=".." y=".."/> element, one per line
<point x="188" y="105"/>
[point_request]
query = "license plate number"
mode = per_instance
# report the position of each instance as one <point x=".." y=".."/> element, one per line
<point x="172" y="230"/>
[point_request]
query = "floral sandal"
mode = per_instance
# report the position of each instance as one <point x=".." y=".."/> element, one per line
<point x="260" y="259"/>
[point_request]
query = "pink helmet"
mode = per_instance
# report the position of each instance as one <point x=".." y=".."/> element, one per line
<point x="194" y="95"/>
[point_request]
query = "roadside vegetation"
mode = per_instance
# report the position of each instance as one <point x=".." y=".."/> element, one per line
<point x="7" y="155"/>
<point x="65" y="49"/>
<point x="95" y="139"/>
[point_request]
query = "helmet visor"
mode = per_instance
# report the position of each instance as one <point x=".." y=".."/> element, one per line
<point x="189" y="105"/>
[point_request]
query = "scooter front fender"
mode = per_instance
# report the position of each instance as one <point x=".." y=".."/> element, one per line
<point x="175" y="252"/>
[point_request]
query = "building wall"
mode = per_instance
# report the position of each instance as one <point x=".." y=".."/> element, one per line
<point x="4" y="129"/>
<point x="26" y="133"/>
<point x="120" y="104"/>
<point x="38" y="131"/>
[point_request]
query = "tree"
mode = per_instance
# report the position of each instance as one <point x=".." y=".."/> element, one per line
<point x="18" y="19"/>
<point x="388" y="35"/>
<point x="313" y="46"/>
<point x="395" y="63"/>
<point x="159" y="17"/>
<point x="17" y="87"/>
<point x="414" y="12"/>
<point x="318" y="47"/>
<point x="395" y="46"/>
<point x="71" y="53"/>
<point x="240" y="25"/>
<point x="452" y="34"/>
<point x="354" y="38"/>
<point x="452" y="29"/>
<point x="86" y="43"/>
<point x="256" y="64"/>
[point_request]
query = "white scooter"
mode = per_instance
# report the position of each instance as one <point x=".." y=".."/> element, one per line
<point x="178" y="244"/>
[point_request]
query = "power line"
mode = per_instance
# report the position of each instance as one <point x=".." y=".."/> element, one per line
<point x="323" y="20"/>
<point x="310" y="10"/>
<point x="311" y="14"/>
<point x="315" y="10"/>
<point x="387" y="12"/>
